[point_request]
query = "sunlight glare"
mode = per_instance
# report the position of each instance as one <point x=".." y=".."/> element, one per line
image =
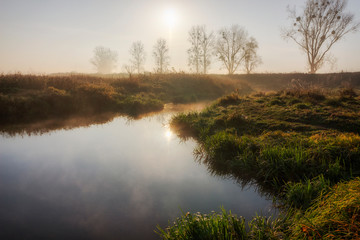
<point x="168" y="134"/>
<point x="170" y="17"/>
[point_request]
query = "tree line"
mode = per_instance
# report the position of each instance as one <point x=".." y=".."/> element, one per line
<point x="231" y="46"/>
<point x="319" y="25"/>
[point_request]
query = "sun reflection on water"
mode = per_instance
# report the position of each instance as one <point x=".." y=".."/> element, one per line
<point x="168" y="134"/>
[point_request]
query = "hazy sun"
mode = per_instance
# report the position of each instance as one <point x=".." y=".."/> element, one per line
<point x="168" y="134"/>
<point x="170" y="17"/>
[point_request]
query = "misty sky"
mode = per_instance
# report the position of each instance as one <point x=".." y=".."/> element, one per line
<point x="47" y="36"/>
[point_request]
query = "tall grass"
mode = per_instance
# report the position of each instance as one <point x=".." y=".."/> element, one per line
<point x="220" y="226"/>
<point x="335" y="215"/>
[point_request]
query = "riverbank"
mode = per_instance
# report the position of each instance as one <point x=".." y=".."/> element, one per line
<point x="27" y="98"/>
<point x="301" y="146"/>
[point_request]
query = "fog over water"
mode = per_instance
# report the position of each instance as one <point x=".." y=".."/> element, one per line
<point x="106" y="181"/>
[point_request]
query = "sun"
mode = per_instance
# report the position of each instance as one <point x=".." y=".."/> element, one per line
<point x="168" y="134"/>
<point x="170" y="17"/>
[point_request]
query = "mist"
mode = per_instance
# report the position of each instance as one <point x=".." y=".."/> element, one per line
<point x="60" y="36"/>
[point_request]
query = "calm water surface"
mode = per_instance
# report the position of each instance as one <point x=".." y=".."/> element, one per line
<point x="116" y="180"/>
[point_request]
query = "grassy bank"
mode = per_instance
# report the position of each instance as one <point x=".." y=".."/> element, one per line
<point x="26" y="98"/>
<point x="334" y="215"/>
<point x="294" y="144"/>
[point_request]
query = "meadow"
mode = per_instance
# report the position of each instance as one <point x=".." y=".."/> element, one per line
<point x="300" y="146"/>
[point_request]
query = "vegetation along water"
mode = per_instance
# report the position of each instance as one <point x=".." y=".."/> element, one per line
<point x="300" y="146"/>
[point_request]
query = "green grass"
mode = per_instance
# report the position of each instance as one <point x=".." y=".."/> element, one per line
<point x="332" y="215"/>
<point x="335" y="215"/>
<point x="275" y="144"/>
<point x="301" y="146"/>
<point x="220" y="226"/>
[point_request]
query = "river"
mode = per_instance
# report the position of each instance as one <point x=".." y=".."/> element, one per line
<point x="110" y="180"/>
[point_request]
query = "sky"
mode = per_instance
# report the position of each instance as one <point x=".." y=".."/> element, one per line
<point x="51" y="36"/>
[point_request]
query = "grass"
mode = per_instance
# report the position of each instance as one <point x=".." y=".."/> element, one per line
<point x="295" y="145"/>
<point x="335" y="215"/>
<point x="220" y="226"/>
<point x="257" y="141"/>
<point x="26" y="98"/>
<point x="332" y="215"/>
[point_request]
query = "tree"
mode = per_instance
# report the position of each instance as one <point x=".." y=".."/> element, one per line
<point x="104" y="59"/>
<point x="129" y="69"/>
<point x="138" y="55"/>
<point x="251" y="59"/>
<point x="229" y="47"/>
<point x="161" y="55"/>
<point x="320" y="25"/>
<point x="200" y="50"/>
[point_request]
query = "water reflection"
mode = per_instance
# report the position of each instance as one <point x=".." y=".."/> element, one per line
<point x="49" y="125"/>
<point x="115" y="180"/>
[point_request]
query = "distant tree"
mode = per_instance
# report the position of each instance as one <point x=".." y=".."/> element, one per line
<point x="194" y="51"/>
<point x="161" y="55"/>
<point x="251" y="59"/>
<point x="318" y="27"/>
<point x="200" y="50"/>
<point x="229" y="47"/>
<point x="207" y="44"/>
<point x="129" y="69"/>
<point x="104" y="59"/>
<point x="138" y="55"/>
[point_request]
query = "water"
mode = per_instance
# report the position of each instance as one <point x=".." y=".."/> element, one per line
<point x="115" y="180"/>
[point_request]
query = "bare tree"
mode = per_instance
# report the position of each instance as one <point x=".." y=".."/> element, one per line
<point x="194" y="51"/>
<point x="129" y="69"/>
<point x="138" y="55"/>
<point x="200" y="50"/>
<point x="161" y="55"/>
<point x="229" y="47"/>
<point x="104" y="59"/>
<point x="318" y="27"/>
<point x="207" y="44"/>
<point x="251" y="59"/>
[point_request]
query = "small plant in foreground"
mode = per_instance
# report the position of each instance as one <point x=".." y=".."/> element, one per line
<point x="202" y="226"/>
<point x="221" y="226"/>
